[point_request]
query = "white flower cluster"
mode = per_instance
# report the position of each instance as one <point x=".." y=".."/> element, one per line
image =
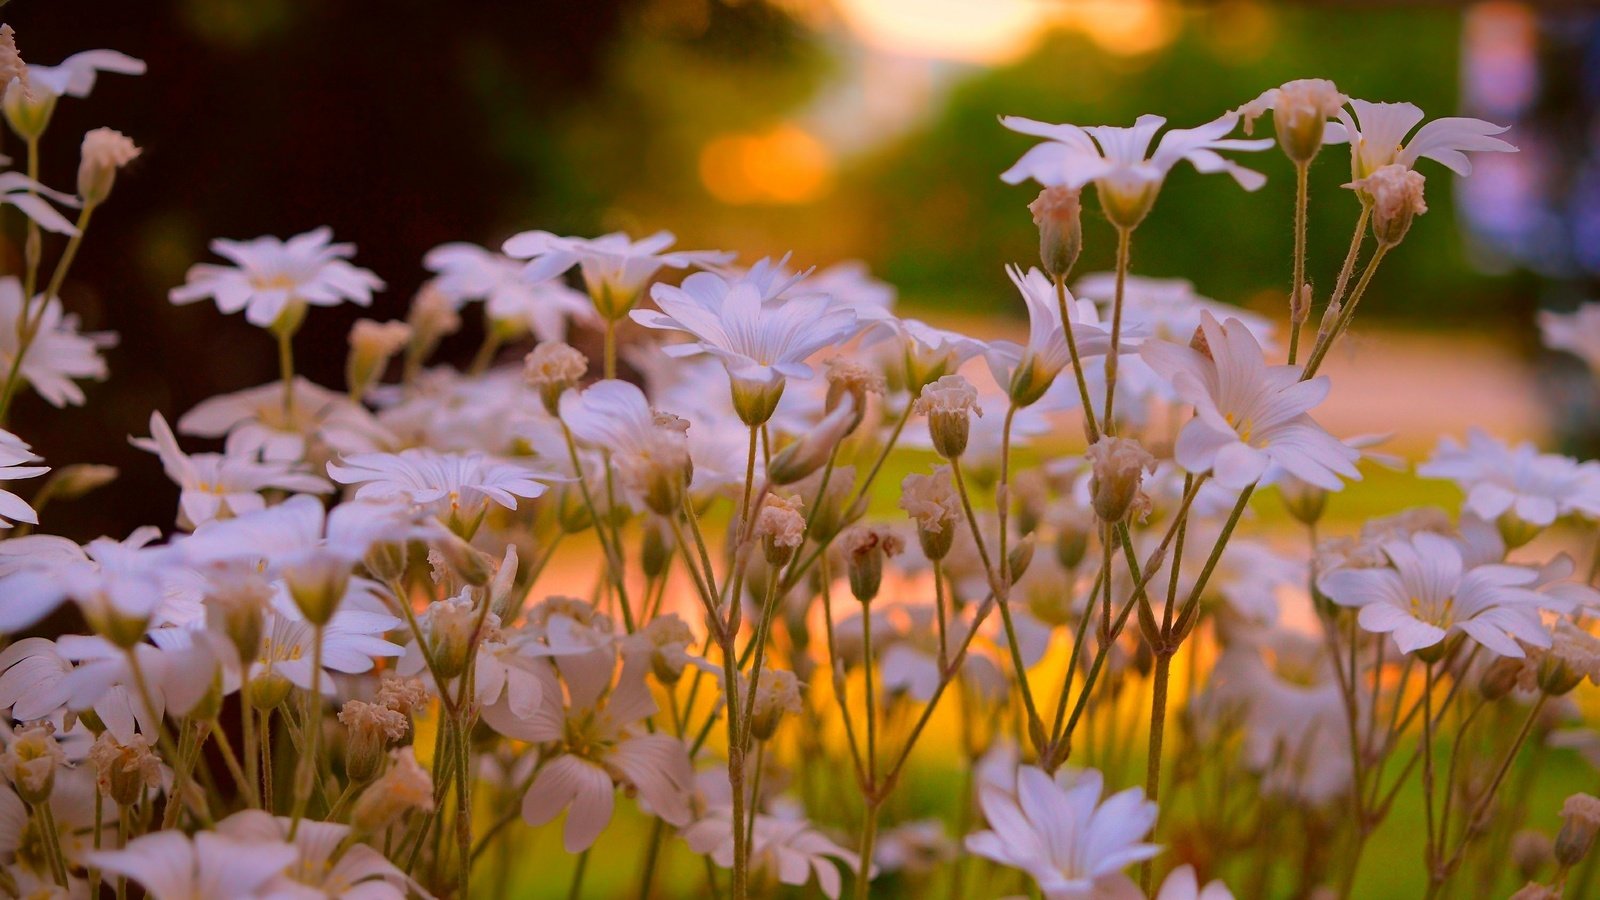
<point x="344" y="670"/>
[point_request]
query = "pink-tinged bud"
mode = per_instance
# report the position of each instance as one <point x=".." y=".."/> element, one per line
<point x="1580" y="821"/>
<point x="104" y="151"/>
<point x="865" y="548"/>
<point x="552" y="369"/>
<point x="1395" y="193"/>
<point x="932" y="501"/>
<point x="1119" y="466"/>
<point x="1058" y="213"/>
<point x="949" y="404"/>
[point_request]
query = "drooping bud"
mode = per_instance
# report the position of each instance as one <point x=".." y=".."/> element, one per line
<point x="405" y="787"/>
<point x="552" y="369"/>
<point x="465" y="561"/>
<point x="931" y="500"/>
<point x="1020" y="556"/>
<point x="104" y="151"/>
<point x="777" y="692"/>
<point x="1058" y="213"/>
<point x="1580" y="821"/>
<point x="30" y="762"/>
<point x="865" y="548"/>
<point x="815" y="447"/>
<point x="1501" y="677"/>
<point x="369" y="728"/>
<point x="1119" y="465"/>
<point x="780" y="527"/>
<point x="372" y="345"/>
<point x="949" y="404"/>
<point x="124" y="770"/>
<point x="1395" y="193"/>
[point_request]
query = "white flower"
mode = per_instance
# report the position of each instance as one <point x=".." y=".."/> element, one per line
<point x="1073" y="845"/>
<point x="75" y="76"/>
<point x="1181" y="884"/>
<point x="256" y="422"/>
<point x="447" y="484"/>
<point x="1248" y="415"/>
<point x="468" y="272"/>
<point x="614" y="266"/>
<point x="1300" y="113"/>
<point x="790" y="848"/>
<point x="763" y="332"/>
<point x="13" y="454"/>
<point x="220" y="485"/>
<point x="600" y="742"/>
<point x="27" y="196"/>
<point x="1426" y="592"/>
<point x="328" y="864"/>
<point x="1028" y="370"/>
<point x="1577" y="332"/>
<point x="1126" y="179"/>
<point x="914" y="353"/>
<point x="1518" y="481"/>
<point x="170" y="865"/>
<point x="1377" y="135"/>
<point x="272" y="278"/>
<point x="39" y="572"/>
<point x="59" y="354"/>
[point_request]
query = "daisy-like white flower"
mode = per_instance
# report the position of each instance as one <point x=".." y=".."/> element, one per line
<point x="1577" y="332"/>
<point x="599" y="742"/>
<point x="1427" y="592"/>
<point x="256" y="422"/>
<point x="327" y="863"/>
<point x="1377" y="137"/>
<point x="171" y="865"/>
<point x="790" y="848"/>
<point x="615" y="267"/>
<point x="28" y="196"/>
<point x="1027" y="371"/>
<point x="59" y="353"/>
<point x="1517" y="482"/>
<point x="127" y="578"/>
<point x="219" y="485"/>
<point x="274" y="280"/>
<point x="453" y="486"/>
<point x="763" y="330"/>
<point x="1127" y="175"/>
<point x="914" y="354"/>
<point x="13" y="456"/>
<point x="1059" y="832"/>
<point x="511" y="299"/>
<point x="1248" y="415"/>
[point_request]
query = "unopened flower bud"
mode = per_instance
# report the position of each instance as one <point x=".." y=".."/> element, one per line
<point x="1501" y="677"/>
<point x="552" y="369"/>
<point x="1119" y="465"/>
<point x="31" y="760"/>
<point x="849" y="379"/>
<point x="1300" y="112"/>
<point x="387" y="560"/>
<point x="1573" y="655"/>
<point x="815" y="447"/>
<point x="949" y="404"/>
<point x="104" y="151"/>
<point x="1395" y="192"/>
<point x="1531" y="851"/>
<point x="372" y="345"/>
<point x="370" y="728"/>
<point x="1020" y="556"/>
<point x="1058" y="213"/>
<point x="658" y="468"/>
<point x="780" y="527"/>
<point x="865" y="549"/>
<point x="432" y="318"/>
<point x="72" y="482"/>
<point x="756" y="400"/>
<point x="452" y="628"/>
<point x="124" y="770"/>
<point x="1580" y="820"/>
<point x="405" y="787"/>
<point x="931" y="500"/>
<point x="467" y="562"/>
<point x="777" y="692"/>
<point x="667" y="638"/>
<point x="267" y="692"/>
<point x="1305" y="501"/>
<point x="656" y="549"/>
<point x="1072" y="544"/>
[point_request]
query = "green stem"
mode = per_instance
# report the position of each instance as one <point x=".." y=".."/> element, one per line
<point x="306" y="769"/>
<point x="1090" y="424"/>
<point x="1297" y="312"/>
<point x="1124" y="242"/>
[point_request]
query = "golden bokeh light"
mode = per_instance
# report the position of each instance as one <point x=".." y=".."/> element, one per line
<point x="782" y="166"/>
